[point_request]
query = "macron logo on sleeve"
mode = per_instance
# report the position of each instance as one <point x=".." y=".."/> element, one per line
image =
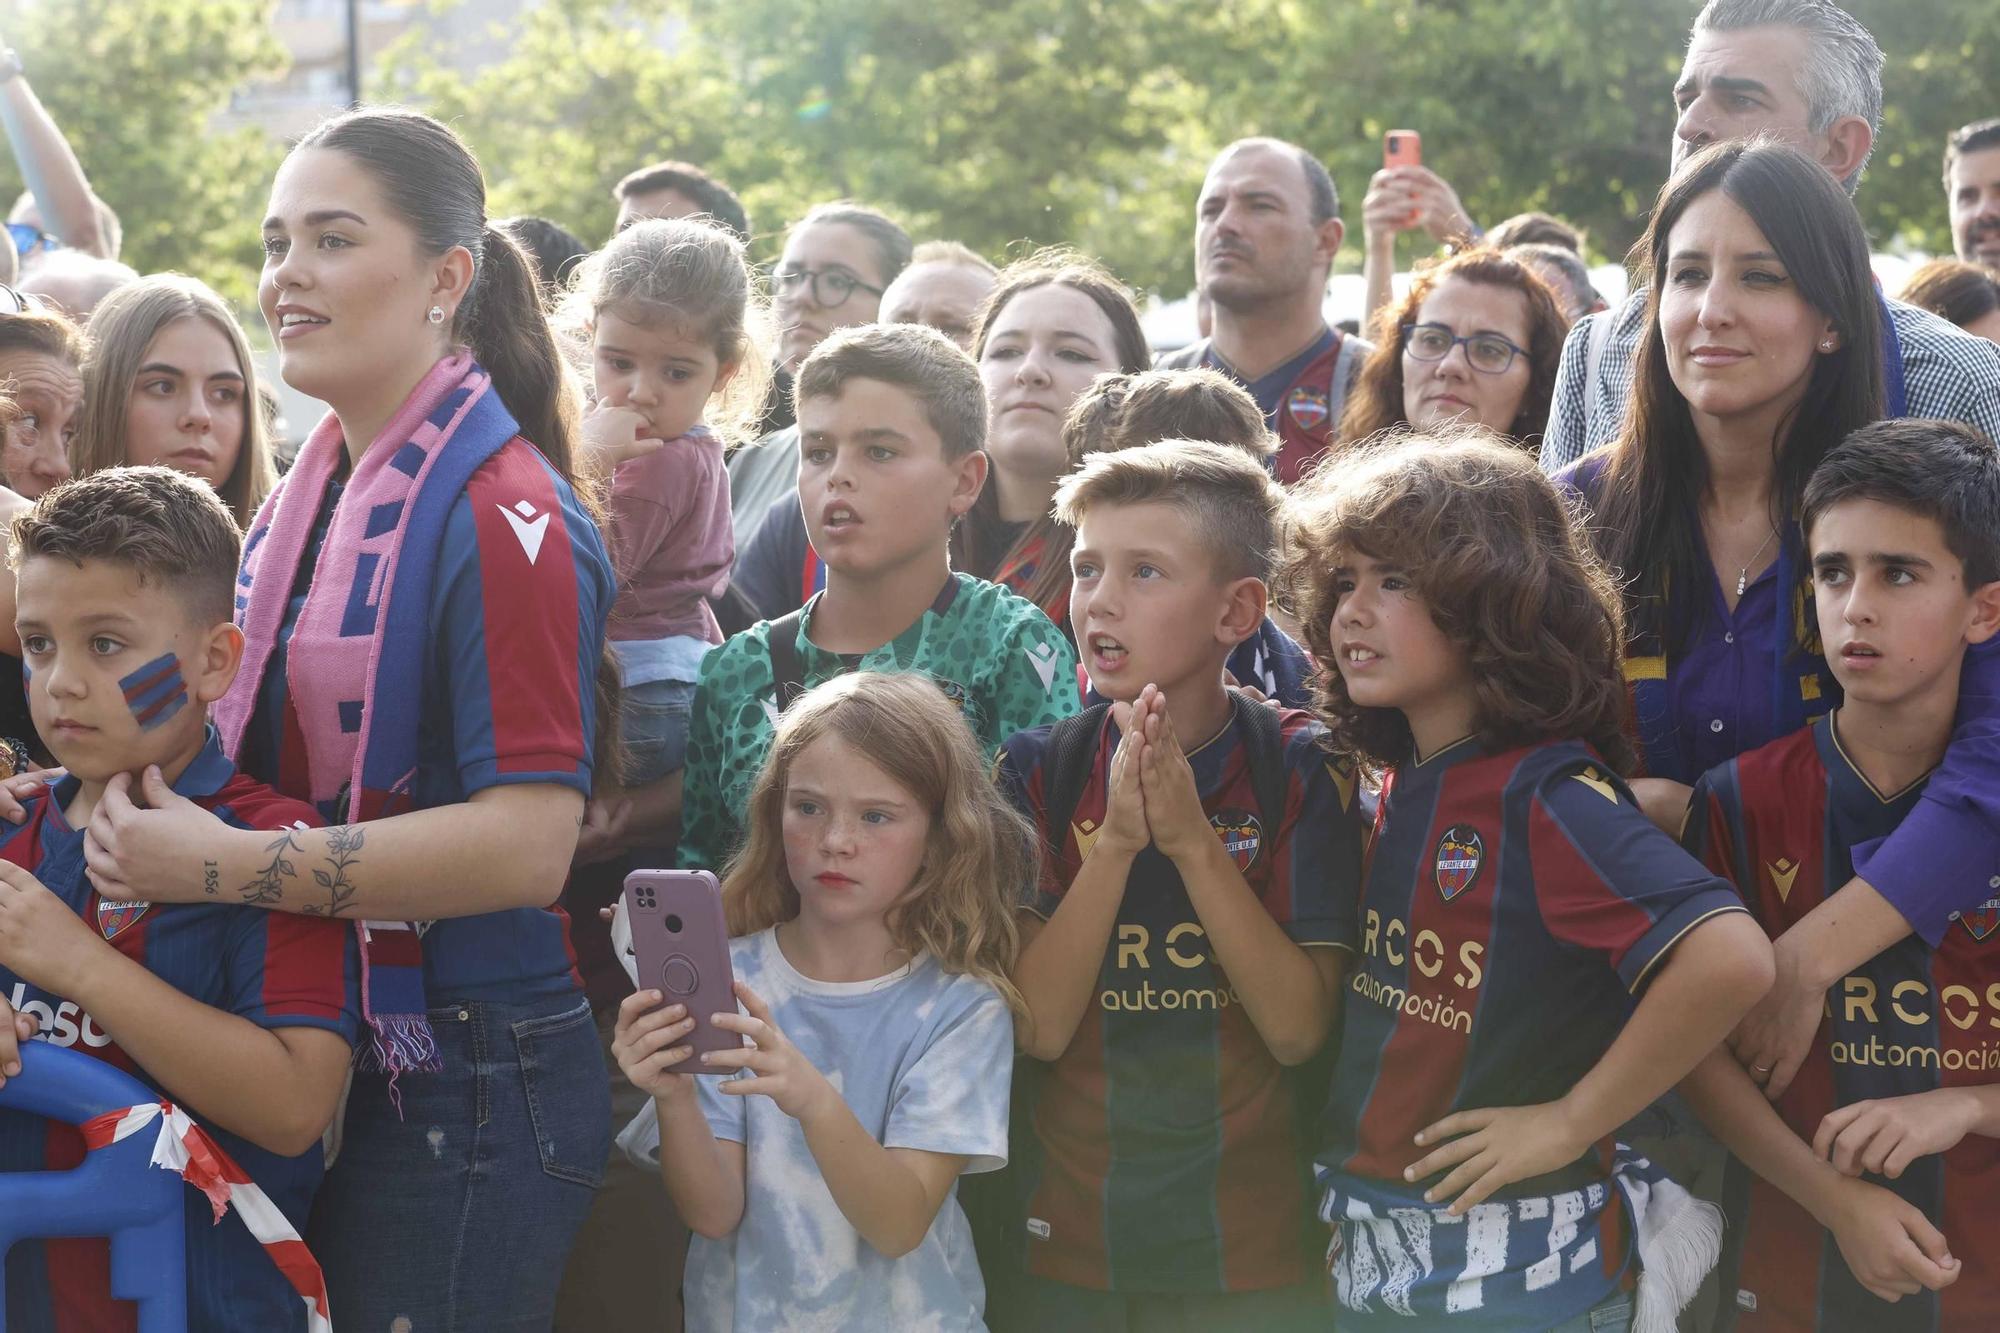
<point x="529" y="529"/>
<point x="1042" y="657"/>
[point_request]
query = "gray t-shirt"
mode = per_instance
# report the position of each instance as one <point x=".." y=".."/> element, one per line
<point x="924" y="1059"/>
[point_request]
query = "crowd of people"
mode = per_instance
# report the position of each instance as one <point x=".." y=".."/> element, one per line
<point x="1489" y="820"/>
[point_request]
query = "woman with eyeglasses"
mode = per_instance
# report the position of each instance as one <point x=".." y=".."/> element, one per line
<point x="1475" y="341"/>
<point x="838" y="260"/>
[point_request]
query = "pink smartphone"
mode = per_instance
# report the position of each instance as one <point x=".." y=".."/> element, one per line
<point x="682" y="949"/>
<point x="1402" y="148"/>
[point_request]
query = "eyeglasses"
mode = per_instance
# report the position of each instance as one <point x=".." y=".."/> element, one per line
<point x="1487" y="353"/>
<point x="14" y="303"/>
<point x="29" y="239"/>
<point x="830" y="286"/>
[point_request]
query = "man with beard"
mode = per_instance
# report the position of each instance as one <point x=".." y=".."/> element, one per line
<point x="1972" y="189"/>
<point x="1267" y="226"/>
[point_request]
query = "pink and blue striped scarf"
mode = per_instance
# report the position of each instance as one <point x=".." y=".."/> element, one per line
<point x="354" y="669"/>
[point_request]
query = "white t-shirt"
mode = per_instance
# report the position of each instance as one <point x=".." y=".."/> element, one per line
<point x="924" y="1059"/>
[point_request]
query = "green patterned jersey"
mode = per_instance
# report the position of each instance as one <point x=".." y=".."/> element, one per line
<point x="995" y="654"/>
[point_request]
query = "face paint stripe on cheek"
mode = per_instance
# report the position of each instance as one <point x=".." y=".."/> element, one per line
<point x="156" y="691"/>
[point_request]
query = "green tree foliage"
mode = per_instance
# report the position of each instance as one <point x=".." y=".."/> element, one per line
<point x="135" y="85"/>
<point x="1006" y="125"/>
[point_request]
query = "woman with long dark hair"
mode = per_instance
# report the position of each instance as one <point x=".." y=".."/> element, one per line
<point x="1052" y="323"/>
<point x="423" y="605"/>
<point x="1763" y="351"/>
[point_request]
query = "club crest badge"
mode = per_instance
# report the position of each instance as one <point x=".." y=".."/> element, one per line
<point x="1242" y="835"/>
<point x="1308" y="407"/>
<point x="1460" y="853"/>
<point x="114" y="919"/>
<point x="1981" y="923"/>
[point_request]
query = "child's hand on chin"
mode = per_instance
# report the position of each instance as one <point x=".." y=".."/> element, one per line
<point x="612" y="434"/>
<point x="643" y="1045"/>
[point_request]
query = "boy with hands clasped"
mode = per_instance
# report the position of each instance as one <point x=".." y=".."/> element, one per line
<point x="1876" y="1166"/>
<point x="1185" y="943"/>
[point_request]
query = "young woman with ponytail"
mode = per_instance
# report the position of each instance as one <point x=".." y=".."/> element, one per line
<point x="423" y="603"/>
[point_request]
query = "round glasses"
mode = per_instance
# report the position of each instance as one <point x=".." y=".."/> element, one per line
<point x="830" y="286"/>
<point x="1487" y="353"/>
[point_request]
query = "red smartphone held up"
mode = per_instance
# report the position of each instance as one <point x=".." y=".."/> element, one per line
<point x="681" y="945"/>
<point x="1402" y="148"/>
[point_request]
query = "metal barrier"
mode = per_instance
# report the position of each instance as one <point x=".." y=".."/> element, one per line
<point x="117" y="1192"/>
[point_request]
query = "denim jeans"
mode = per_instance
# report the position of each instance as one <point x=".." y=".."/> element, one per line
<point x="458" y="1214"/>
<point x="653" y="724"/>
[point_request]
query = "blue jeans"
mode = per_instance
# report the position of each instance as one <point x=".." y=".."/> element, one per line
<point x="1613" y="1314"/>
<point x="653" y="724"/>
<point x="459" y="1214"/>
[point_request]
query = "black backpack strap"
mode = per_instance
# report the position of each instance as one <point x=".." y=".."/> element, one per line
<point x="1066" y="765"/>
<point x="782" y="643"/>
<point x="1264" y="748"/>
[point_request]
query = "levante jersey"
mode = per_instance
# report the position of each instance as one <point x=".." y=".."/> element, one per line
<point x="1170" y="1150"/>
<point x="1513" y="905"/>
<point x="994" y="654"/>
<point x="520" y="596"/>
<point x="1302" y="399"/>
<point x="275" y="969"/>
<point x="1782" y="821"/>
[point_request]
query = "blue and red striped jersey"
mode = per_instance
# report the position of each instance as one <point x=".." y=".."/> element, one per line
<point x="1782" y="821"/>
<point x="1513" y="905"/>
<point x="522" y="590"/>
<point x="271" y="968"/>
<point x="1169" y="1149"/>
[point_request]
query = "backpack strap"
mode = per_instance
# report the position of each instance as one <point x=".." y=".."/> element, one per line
<point x="1264" y="748"/>
<point x="782" y="643"/>
<point x="1066" y="765"/>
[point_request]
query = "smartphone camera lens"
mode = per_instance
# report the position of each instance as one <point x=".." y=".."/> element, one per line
<point x="673" y="924"/>
<point x="644" y="897"/>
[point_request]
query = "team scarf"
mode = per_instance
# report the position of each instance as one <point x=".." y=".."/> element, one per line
<point x="354" y="671"/>
<point x="1017" y="571"/>
<point x="184" y="1148"/>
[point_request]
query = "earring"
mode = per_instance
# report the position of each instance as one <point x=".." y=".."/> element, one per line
<point x="1826" y="345"/>
<point x="436" y="315"/>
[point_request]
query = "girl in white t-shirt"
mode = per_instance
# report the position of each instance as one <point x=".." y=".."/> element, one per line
<point x="874" y="942"/>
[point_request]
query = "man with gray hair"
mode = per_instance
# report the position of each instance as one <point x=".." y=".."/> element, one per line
<point x="1806" y="73"/>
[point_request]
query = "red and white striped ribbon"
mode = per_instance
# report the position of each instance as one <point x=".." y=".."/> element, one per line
<point x="184" y="1148"/>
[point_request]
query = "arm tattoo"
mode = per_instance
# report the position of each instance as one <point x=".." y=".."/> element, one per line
<point x="211" y="878"/>
<point x="343" y="849"/>
<point x="268" y="888"/>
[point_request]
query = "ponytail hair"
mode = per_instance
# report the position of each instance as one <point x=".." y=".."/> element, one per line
<point x="431" y="179"/>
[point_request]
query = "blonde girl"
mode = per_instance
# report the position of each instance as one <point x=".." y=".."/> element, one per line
<point x="874" y="940"/>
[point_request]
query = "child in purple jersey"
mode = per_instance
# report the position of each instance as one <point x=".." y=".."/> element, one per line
<point x="671" y="312"/>
<point x="244" y="1018"/>
<point x="1515" y="898"/>
<point x="1882" y="1148"/>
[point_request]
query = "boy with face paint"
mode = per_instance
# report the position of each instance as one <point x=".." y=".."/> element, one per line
<point x="246" y="1019"/>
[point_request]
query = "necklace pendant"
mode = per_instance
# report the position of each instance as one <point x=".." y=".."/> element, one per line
<point x="1742" y="580"/>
